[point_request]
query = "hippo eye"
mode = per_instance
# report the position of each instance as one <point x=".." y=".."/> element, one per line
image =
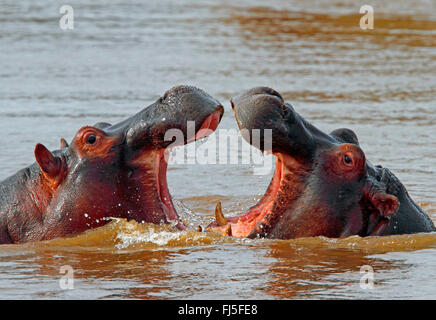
<point x="348" y="160"/>
<point x="91" y="139"/>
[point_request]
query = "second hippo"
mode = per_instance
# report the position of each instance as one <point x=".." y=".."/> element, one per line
<point x="323" y="184"/>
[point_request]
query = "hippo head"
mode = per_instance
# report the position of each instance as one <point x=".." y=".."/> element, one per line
<point x="120" y="170"/>
<point x="322" y="186"/>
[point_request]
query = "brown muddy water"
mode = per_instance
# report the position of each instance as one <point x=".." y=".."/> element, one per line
<point x="122" y="55"/>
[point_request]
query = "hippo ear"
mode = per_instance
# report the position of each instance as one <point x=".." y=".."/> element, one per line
<point x="48" y="163"/>
<point x="64" y="144"/>
<point x="345" y="135"/>
<point x="386" y="204"/>
<point x="102" y="125"/>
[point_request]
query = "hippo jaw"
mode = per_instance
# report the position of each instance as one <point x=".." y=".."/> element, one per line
<point x="242" y="226"/>
<point x="321" y="185"/>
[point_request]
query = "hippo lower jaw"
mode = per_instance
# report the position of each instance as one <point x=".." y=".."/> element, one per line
<point x="243" y="225"/>
<point x="259" y="219"/>
<point x="163" y="192"/>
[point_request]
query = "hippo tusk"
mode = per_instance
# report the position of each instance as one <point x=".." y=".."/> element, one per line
<point x="219" y="216"/>
<point x="228" y="230"/>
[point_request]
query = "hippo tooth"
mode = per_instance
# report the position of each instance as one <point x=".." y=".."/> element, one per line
<point x="219" y="216"/>
<point x="228" y="231"/>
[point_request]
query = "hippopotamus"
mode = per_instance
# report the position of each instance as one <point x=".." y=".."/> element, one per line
<point x="323" y="184"/>
<point x="107" y="171"/>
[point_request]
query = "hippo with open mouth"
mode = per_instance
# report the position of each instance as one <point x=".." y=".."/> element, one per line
<point x="322" y="186"/>
<point x="107" y="171"/>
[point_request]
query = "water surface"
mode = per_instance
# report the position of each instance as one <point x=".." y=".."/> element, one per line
<point x="122" y="55"/>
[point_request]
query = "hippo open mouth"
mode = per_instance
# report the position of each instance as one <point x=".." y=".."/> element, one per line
<point x="322" y="186"/>
<point x="184" y="114"/>
<point x="158" y="161"/>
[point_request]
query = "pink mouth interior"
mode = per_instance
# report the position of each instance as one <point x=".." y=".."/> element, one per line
<point x="161" y="165"/>
<point x="208" y="127"/>
<point x="241" y="226"/>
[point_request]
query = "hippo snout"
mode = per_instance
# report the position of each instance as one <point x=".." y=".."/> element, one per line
<point x="183" y="109"/>
<point x="255" y="92"/>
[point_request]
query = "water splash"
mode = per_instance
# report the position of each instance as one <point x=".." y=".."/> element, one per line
<point x="133" y="235"/>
